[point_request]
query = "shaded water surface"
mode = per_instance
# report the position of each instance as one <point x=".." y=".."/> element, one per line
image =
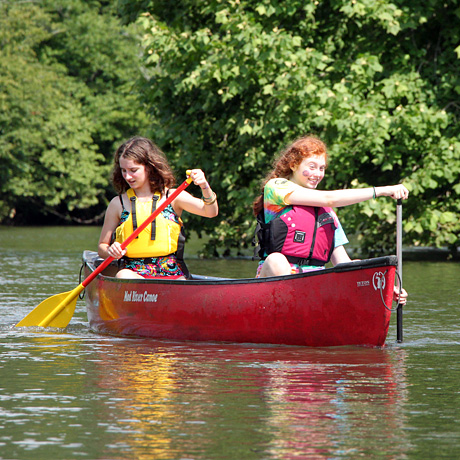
<point x="74" y="394"/>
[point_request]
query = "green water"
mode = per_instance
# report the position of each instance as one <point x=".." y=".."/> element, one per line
<point x="74" y="394"/>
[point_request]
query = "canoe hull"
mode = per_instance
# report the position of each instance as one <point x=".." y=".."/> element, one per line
<point x="339" y="306"/>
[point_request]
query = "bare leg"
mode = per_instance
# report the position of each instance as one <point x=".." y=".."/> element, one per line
<point x="126" y="273"/>
<point x="275" y="264"/>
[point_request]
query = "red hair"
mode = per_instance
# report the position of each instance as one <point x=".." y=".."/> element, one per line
<point x="289" y="159"/>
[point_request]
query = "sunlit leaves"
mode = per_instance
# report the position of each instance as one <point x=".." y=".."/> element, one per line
<point x="230" y="82"/>
<point x="67" y="77"/>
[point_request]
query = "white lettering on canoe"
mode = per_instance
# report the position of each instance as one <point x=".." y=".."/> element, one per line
<point x="150" y="297"/>
<point x="134" y="296"/>
<point x="363" y="283"/>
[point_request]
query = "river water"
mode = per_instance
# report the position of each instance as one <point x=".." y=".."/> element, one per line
<point x="71" y="394"/>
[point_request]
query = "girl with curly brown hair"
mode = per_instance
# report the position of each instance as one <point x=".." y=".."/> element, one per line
<point x="144" y="179"/>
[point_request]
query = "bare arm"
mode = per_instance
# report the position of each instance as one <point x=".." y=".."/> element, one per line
<point x="111" y="221"/>
<point x="338" y="198"/>
<point x="339" y="256"/>
<point x="206" y="207"/>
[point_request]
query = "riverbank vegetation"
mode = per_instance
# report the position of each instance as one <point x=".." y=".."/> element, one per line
<point x="224" y="85"/>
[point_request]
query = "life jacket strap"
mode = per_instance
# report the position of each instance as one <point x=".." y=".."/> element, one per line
<point x="154" y="225"/>
<point x="301" y="261"/>
<point x="134" y="216"/>
<point x="133" y="213"/>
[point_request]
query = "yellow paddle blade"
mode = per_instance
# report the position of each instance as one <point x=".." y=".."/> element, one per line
<point x="55" y="311"/>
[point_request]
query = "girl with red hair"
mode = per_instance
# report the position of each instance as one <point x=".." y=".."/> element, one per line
<point x="298" y="230"/>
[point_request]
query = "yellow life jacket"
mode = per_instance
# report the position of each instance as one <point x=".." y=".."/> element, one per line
<point x="159" y="238"/>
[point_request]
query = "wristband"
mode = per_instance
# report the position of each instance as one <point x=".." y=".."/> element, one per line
<point x="210" y="200"/>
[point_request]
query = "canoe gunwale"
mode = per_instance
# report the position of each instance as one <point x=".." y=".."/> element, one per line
<point x="92" y="260"/>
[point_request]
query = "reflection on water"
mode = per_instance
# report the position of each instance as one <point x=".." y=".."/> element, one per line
<point x="75" y="394"/>
<point x="141" y="399"/>
<point x="294" y="402"/>
<point x="144" y="399"/>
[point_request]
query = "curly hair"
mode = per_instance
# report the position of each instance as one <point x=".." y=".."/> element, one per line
<point x="289" y="159"/>
<point x="143" y="151"/>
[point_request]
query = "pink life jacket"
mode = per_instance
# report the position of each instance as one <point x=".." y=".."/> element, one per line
<point x="304" y="234"/>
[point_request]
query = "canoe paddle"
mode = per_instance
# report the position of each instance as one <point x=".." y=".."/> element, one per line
<point x="57" y="311"/>
<point x="399" y="308"/>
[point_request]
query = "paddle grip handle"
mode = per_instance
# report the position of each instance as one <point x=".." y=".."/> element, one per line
<point x="133" y="235"/>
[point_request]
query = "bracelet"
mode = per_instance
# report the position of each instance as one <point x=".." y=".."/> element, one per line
<point x="375" y="194"/>
<point x="210" y="200"/>
<point x="207" y="186"/>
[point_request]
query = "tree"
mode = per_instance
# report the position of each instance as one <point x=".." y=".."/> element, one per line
<point x="66" y="98"/>
<point x="229" y="83"/>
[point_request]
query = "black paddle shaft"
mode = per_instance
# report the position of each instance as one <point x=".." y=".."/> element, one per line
<point x="399" y="309"/>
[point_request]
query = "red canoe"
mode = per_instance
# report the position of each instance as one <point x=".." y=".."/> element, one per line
<point x="349" y="304"/>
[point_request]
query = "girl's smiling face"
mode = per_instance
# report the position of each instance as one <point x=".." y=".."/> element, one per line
<point x="135" y="174"/>
<point x="310" y="172"/>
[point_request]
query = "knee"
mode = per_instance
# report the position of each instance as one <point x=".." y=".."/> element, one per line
<point x="275" y="264"/>
<point x="126" y="274"/>
<point x="121" y="274"/>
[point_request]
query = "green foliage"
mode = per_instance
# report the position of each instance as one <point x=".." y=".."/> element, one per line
<point x="225" y="84"/>
<point x="229" y="83"/>
<point x="66" y="98"/>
